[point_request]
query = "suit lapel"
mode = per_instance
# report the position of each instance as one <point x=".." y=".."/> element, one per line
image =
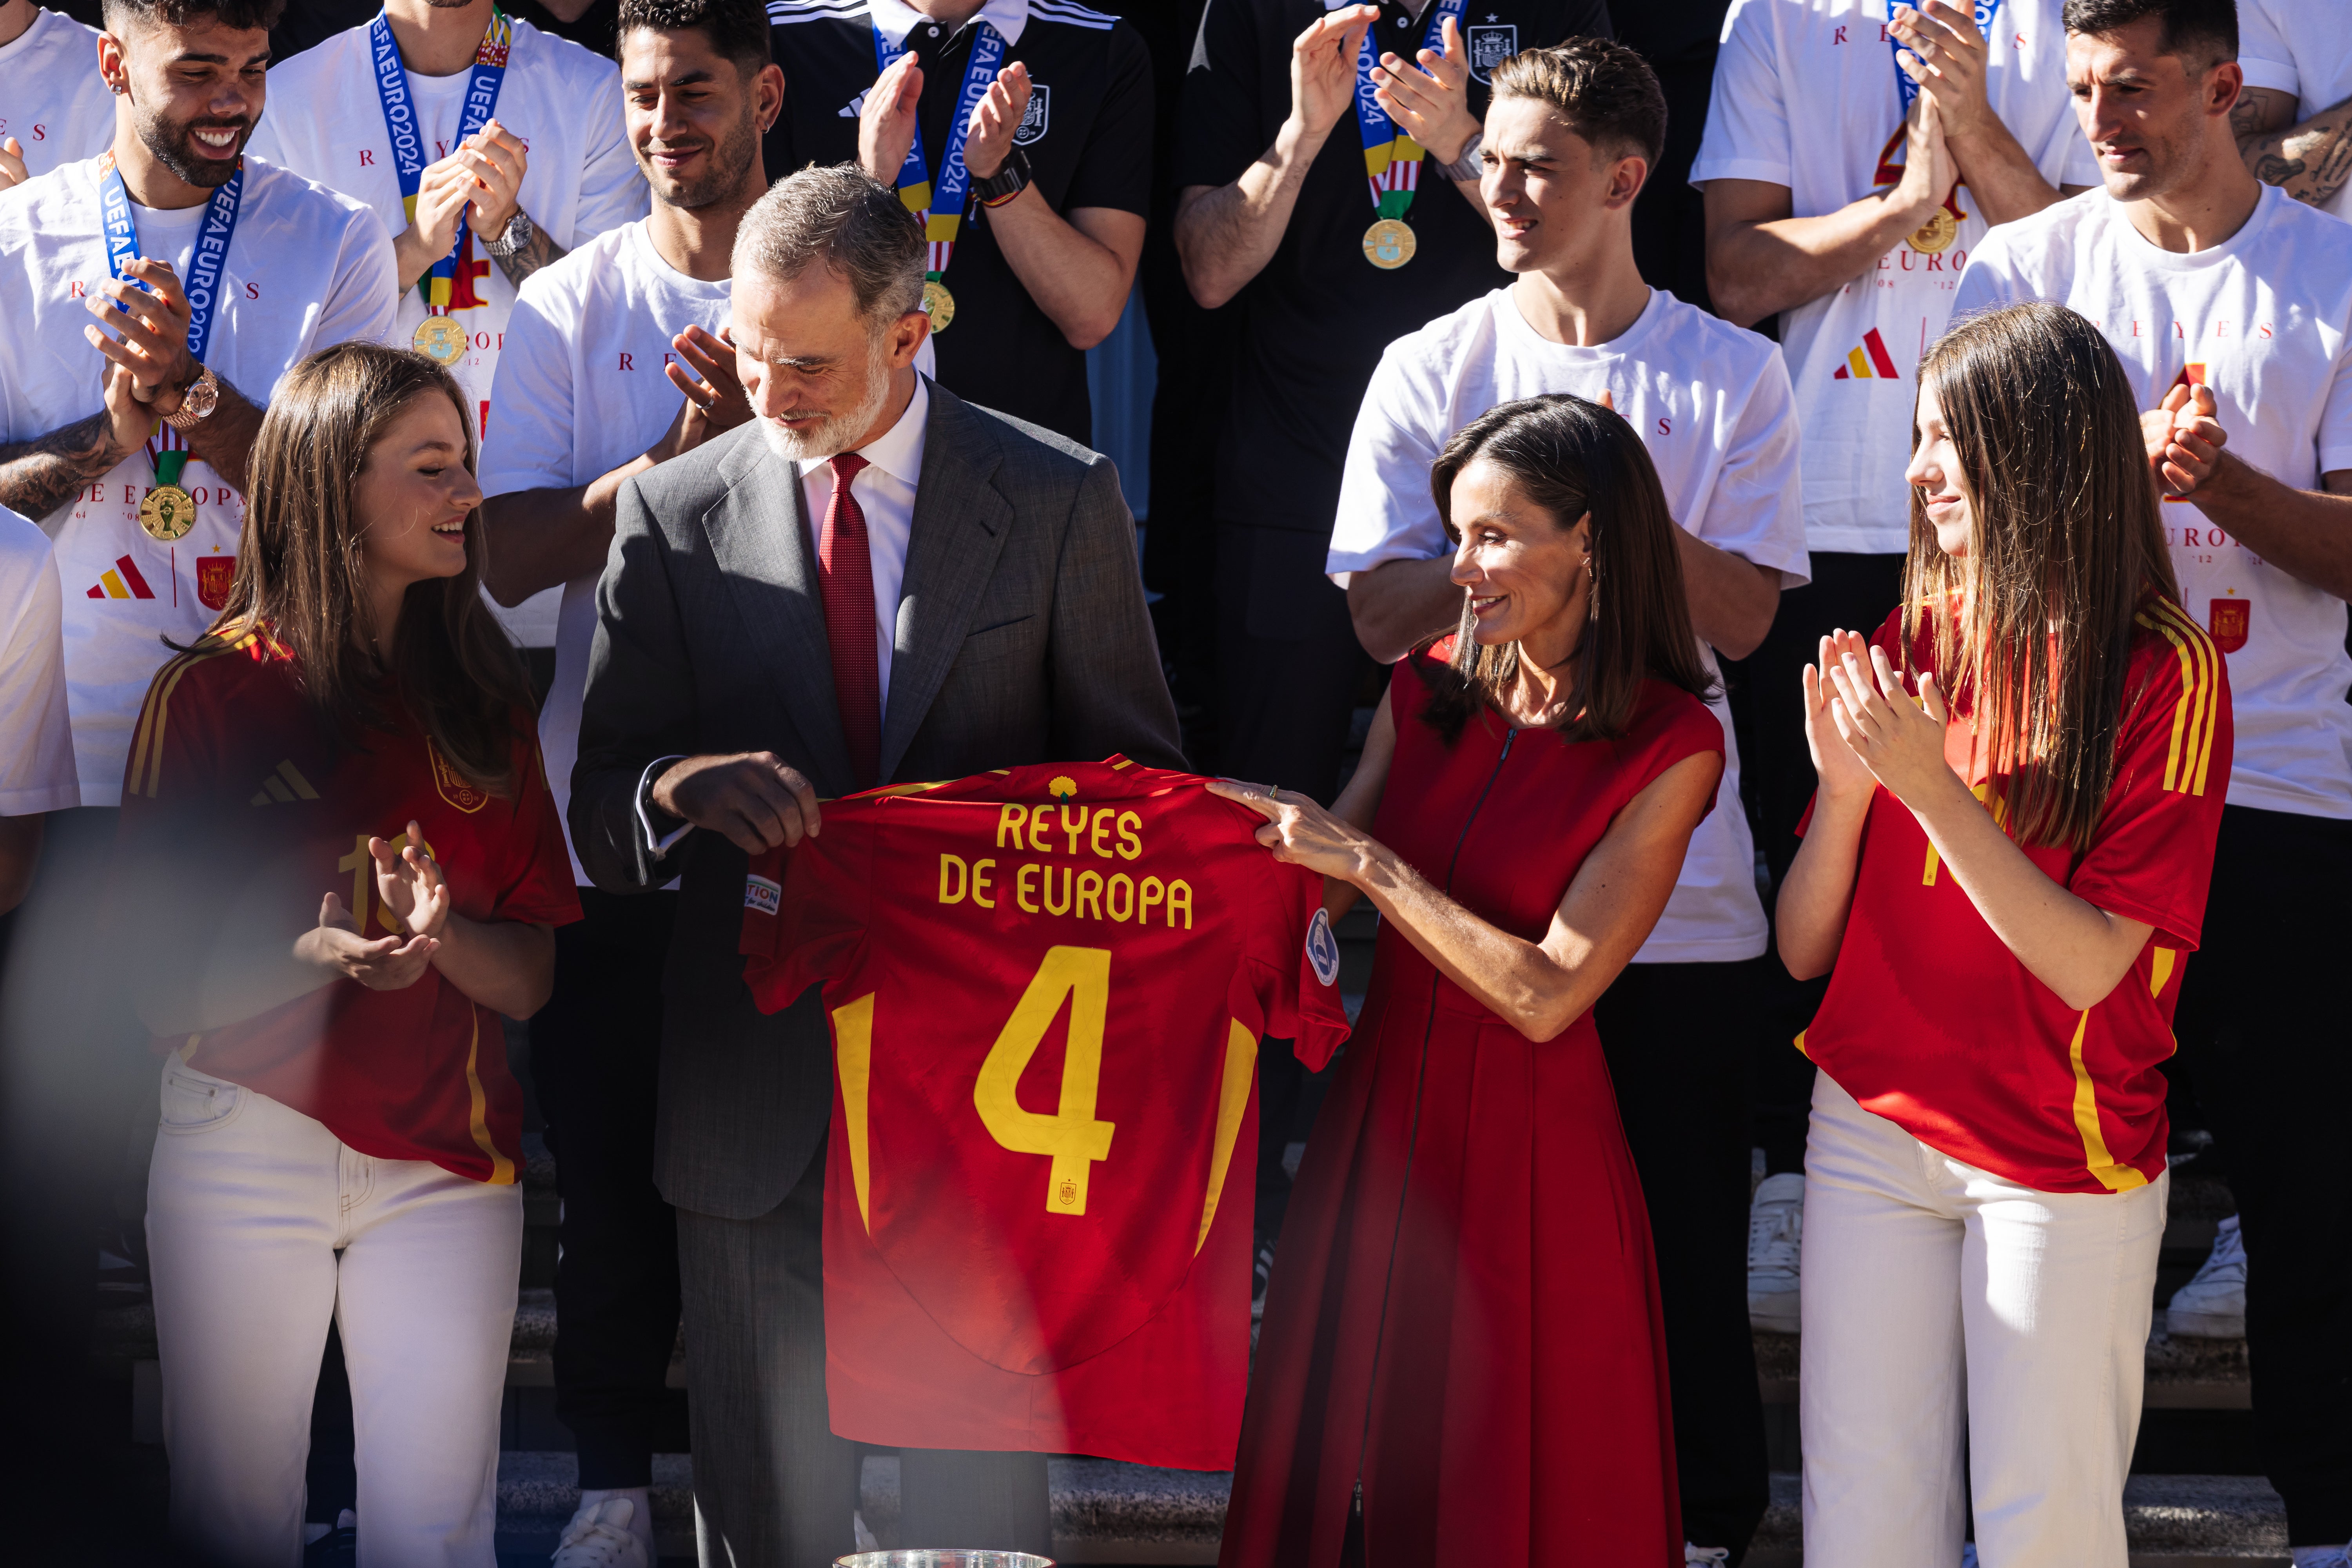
<point x="759" y="538"/>
<point x="959" y="527"/>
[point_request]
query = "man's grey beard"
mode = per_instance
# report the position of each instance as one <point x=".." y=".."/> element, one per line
<point x="165" y="140"/>
<point x="833" y="436"/>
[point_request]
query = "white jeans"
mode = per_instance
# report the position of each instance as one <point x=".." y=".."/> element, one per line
<point x="261" y="1226"/>
<point x="1946" y="1306"/>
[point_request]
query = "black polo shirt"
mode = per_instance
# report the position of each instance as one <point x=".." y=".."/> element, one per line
<point x="1088" y="135"/>
<point x="1318" y="314"/>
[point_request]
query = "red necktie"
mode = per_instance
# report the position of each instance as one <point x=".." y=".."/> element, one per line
<point x="845" y="575"/>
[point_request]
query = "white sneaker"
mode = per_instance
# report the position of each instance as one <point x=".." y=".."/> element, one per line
<point x="1776" y="1223"/>
<point x="2212" y="1306"/>
<point x="1707" y="1556"/>
<point x="599" y="1537"/>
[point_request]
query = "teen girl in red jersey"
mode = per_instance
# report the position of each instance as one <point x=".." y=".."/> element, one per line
<point x="339" y="865"/>
<point x="1461" y="1360"/>
<point x="2022" y="777"/>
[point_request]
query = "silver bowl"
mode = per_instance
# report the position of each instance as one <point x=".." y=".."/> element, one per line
<point x="932" y="1557"/>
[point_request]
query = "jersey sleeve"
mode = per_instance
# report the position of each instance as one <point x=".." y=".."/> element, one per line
<point x="1386" y="512"/>
<point x="539" y="889"/>
<point x="1758" y="509"/>
<point x="1994" y="278"/>
<point x="362" y="301"/>
<point x="1218" y="128"/>
<point x="529" y="445"/>
<point x="2263" y="54"/>
<point x="1115" y="169"/>
<point x="2335" y="417"/>
<point x="2151" y="857"/>
<point x="806" y="908"/>
<point x="1746" y="136"/>
<point x="611" y="190"/>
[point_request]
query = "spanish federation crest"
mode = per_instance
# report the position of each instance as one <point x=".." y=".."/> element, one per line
<point x="1490" y="44"/>
<point x="1034" y="121"/>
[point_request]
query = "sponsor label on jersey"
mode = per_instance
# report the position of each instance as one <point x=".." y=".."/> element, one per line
<point x="761" y="894"/>
<point x="1323" y="947"/>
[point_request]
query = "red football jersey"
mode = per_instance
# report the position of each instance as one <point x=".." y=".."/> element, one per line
<point x="1931" y="1021"/>
<point x="229" y="764"/>
<point x="1046" y="988"/>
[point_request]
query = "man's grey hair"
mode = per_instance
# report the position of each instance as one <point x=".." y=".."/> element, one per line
<point x="846" y="218"/>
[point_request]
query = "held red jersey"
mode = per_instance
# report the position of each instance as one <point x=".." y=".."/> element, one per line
<point x="1046" y="988"/>
<point x="229" y="771"/>
<point x="1931" y="1021"/>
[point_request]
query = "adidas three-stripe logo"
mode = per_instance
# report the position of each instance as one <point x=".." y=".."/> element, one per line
<point x="284" y="786"/>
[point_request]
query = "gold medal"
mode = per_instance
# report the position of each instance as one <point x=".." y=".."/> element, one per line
<point x="1938" y="233"/>
<point x="167" y="513"/>
<point x="1390" y="244"/>
<point x="938" y="304"/>
<point x="440" y="340"/>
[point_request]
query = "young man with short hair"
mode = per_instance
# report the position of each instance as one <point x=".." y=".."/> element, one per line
<point x="54" y="106"/>
<point x="1021" y="130"/>
<point x="488" y="148"/>
<point x="1568" y="143"/>
<point x="2230" y="306"/>
<point x="616" y="359"/>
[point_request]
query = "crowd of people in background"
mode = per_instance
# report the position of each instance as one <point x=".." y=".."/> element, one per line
<point x="478" y="475"/>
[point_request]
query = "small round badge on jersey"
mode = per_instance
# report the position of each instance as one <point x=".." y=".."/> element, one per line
<point x="938" y="305"/>
<point x="1938" y="233"/>
<point x="167" y="513"/>
<point x="1390" y="244"/>
<point x="440" y="340"/>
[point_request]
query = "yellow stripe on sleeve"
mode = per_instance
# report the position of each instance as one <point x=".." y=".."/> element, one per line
<point x="2096" y="1159"/>
<point x="2210" y="660"/>
<point x="1233" y="1104"/>
<point x="853" y="1054"/>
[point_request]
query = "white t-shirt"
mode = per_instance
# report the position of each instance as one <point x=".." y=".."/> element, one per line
<point x="37" y="760"/>
<point x="52" y="99"/>
<point x="580" y="179"/>
<point x="306" y="269"/>
<point x="1805" y="96"/>
<point x="2263" y="319"/>
<point x="1711" y="403"/>
<point x="2302" y="48"/>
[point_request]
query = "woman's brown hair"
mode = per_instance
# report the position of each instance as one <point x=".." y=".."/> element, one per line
<point x="300" y="570"/>
<point x="2033" y="628"/>
<point x="1575" y="458"/>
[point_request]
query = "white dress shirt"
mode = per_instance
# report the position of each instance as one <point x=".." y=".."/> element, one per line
<point x="885" y="490"/>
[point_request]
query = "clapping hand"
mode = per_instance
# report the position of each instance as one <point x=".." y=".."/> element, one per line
<point x="12" y="162"/>
<point x="1897" y="740"/>
<point x="1432" y="104"/>
<point x="387" y="964"/>
<point x="714" y="403"/>
<point x="2184" y="439"/>
<point x="995" y="121"/>
<point x="1323" y="67"/>
<point x="1945" y="54"/>
<point x="885" y="120"/>
<point x="153" y="350"/>
<point x="409" y="886"/>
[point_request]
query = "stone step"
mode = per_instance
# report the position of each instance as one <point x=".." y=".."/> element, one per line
<point x="1106" y="1512"/>
<point x="2172" y="1522"/>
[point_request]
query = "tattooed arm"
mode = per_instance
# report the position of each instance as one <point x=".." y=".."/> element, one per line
<point x="530" y="257"/>
<point x="2310" y="160"/>
<point x="38" y="476"/>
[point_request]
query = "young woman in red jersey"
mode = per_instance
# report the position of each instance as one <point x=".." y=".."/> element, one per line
<point x="1446" y="1375"/>
<point x="2003" y="873"/>
<point x="339" y="865"/>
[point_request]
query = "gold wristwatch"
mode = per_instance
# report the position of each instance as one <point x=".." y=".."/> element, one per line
<point x="197" y="401"/>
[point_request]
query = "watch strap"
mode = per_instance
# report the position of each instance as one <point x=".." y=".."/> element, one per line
<point x="1007" y="183"/>
<point x="1467" y="166"/>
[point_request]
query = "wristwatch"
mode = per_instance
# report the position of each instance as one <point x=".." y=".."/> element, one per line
<point x="519" y="231"/>
<point x="197" y="401"/>
<point x="1468" y="166"/>
<point x="1006" y="184"/>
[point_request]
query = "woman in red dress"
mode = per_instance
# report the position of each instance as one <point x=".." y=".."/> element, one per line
<point x="1462" y="1362"/>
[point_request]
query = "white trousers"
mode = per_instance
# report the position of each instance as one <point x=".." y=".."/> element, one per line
<point x="261" y="1226"/>
<point x="1950" y="1311"/>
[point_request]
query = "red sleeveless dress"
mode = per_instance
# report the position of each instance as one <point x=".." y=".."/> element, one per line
<point x="1465" y="1311"/>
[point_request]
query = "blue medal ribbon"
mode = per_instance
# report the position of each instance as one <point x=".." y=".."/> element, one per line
<point x="400" y="122"/>
<point x="1385" y="147"/>
<point x="1905" y="90"/>
<point x="120" y="230"/>
<point x="941" y="208"/>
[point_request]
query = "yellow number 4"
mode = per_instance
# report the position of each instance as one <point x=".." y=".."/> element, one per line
<point x="1071" y="1135"/>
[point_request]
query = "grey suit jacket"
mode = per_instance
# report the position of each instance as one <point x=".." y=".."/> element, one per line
<point x="1022" y="637"/>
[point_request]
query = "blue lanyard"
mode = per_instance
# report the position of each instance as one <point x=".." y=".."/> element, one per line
<point x="1905" y="90"/>
<point x="1393" y="187"/>
<point x="121" y="231"/>
<point x="988" y="50"/>
<point x="408" y="137"/>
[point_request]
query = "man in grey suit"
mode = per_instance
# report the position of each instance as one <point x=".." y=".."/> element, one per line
<point x="872" y="580"/>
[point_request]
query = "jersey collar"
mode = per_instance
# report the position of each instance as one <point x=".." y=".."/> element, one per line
<point x="898" y="19"/>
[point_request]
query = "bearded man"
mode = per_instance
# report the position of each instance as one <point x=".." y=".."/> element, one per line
<point x="875" y="581"/>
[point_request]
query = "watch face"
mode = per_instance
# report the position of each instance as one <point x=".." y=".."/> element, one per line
<point x="201" y="396"/>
